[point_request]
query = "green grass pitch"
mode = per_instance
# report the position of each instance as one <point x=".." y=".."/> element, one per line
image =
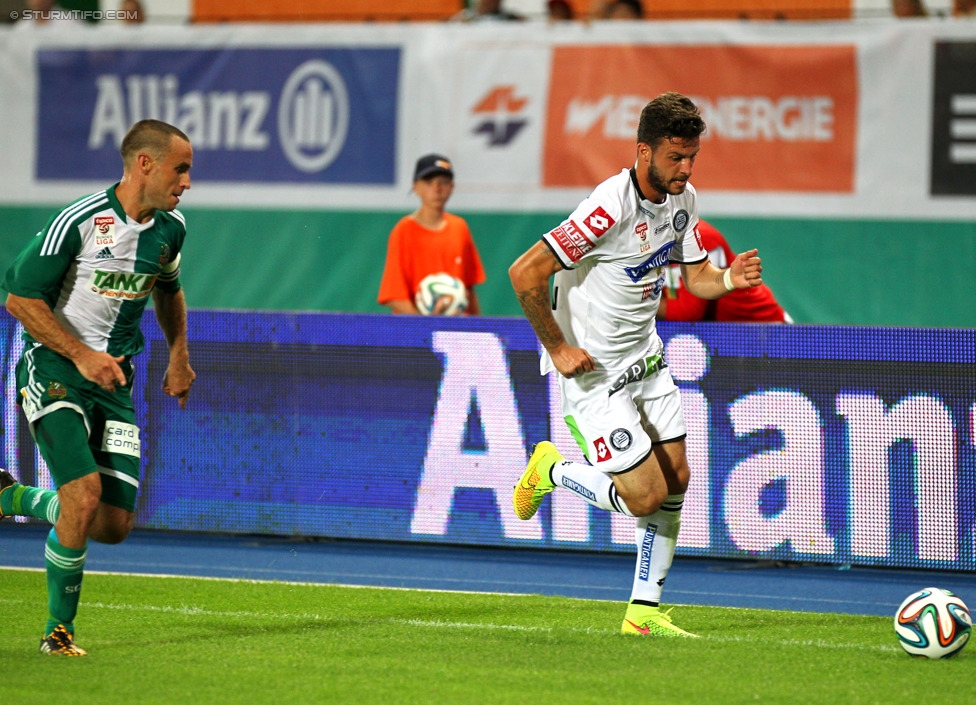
<point x="189" y="640"/>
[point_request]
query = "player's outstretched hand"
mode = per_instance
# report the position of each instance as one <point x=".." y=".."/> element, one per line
<point x="571" y="361"/>
<point x="747" y="269"/>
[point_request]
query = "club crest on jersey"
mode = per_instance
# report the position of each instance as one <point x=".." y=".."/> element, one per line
<point x="105" y="231"/>
<point x="681" y="220"/>
<point x="661" y="258"/>
<point x="599" y="221"/>
<point x="621" y="439"/>
<point x="602" y="452"/>
<point x="56" y="390"/>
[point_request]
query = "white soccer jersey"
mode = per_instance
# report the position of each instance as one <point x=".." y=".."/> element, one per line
<point x="613" y="247"/>
<point x="96" y="267"/>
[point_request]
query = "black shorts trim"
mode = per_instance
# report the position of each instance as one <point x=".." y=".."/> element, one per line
<point x="670" y="440"/>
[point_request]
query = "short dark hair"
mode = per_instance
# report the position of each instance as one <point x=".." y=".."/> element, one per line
<point x="670" y="115"/>
<point x="152" y="136"/>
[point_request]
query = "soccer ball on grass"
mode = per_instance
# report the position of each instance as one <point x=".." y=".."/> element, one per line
<point x="435" y="286"/>
<point x="933" y="623"/>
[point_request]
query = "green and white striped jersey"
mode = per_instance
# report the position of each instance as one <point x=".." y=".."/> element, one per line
<point x="96" y="268"/>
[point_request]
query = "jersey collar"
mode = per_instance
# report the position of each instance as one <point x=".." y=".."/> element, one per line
<point x="114" y="202"/>
<point x="641" y="198"/>
<point x="119" y="211"/>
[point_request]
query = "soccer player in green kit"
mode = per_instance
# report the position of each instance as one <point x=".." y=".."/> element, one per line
<point x="80" y="288"/>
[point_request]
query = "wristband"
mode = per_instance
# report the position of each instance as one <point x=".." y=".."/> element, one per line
<point x="727" y="279"/>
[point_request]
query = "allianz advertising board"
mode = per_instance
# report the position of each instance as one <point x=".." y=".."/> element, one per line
<point x="318" y="115"/>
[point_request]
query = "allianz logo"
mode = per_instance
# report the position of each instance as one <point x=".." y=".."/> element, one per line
<point x="312" y="111"/>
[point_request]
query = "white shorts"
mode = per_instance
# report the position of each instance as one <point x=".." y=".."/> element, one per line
<point x="615" y="422"/>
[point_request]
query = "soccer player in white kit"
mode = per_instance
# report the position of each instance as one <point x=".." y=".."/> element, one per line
<point x="597" y="325"/>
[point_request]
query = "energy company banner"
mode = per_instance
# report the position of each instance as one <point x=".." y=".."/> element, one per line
<point x="807" y="443"/>
<point x="766" y="107"/>
<point x="321" y="115"/>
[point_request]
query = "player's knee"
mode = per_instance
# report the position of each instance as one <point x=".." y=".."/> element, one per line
<point x="80" y="499"/>
<point x="111" y="535"/>
<point x="647" y="502"/>
<point x="112" y="525"/>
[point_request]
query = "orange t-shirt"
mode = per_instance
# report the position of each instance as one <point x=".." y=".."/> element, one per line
<point x="414" y="251"/>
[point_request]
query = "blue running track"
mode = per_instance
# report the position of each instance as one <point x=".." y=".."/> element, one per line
<point x="692" y="581"/>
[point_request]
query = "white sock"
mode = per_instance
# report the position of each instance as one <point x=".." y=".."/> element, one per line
<point x="589" y="485"/>
<point x="657" y="536"/>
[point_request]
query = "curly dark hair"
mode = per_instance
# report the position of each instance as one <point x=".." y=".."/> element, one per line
<point x="670" y="115"/>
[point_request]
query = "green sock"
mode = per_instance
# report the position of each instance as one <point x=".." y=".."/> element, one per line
<point x="31" y="502"/>
<point x="65" y="569"/>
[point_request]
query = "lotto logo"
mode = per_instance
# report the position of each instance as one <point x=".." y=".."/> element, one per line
<point x="599" y="221"/>
<point x="602" y="451"/>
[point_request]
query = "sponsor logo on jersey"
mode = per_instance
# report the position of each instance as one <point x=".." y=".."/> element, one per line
<point x="659" y="259"/>
<point x="647" y="545"/>
<point x="122" y="438"/>
<point x="662" y="227"/>
<point x="576" y="487"/>
<point x="500" y="115"/>
<point x="652" y="289"/>
<point x="105" y="253"/>
<point x="636" y="371"/>
<point x="602" y="452"/>
<point x="56" y="390"/>
<point x="599" y="221"/>
<point x="105" y="231"/>
<point x="699" y="241"/>
<point x="121" y="285"/>
<point x="621" y="439"/>
<point x="641" y="231"/>
<point x="681" y="220"/>
<point x="572" y="241"/>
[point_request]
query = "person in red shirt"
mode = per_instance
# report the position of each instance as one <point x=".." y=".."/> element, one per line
<point x="428" y="241"/>
<point x="753" y="305"/>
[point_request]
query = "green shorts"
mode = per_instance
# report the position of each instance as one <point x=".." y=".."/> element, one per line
<point x="100" y="435"/>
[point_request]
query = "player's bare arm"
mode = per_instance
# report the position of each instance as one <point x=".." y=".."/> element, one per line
<point x="530" y="278"/>
<point x="707" y="281"/>
<point x="36" y="317"/>
<point x="171" y="314"/>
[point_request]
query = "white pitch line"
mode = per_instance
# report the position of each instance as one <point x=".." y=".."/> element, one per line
<point x="194" y="611"/>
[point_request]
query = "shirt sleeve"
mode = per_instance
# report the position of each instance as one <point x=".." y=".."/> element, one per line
<point x="169" y="270"/>
<point x="39" y="270"/>
<point x="393" y="285"/>
<point x="579" y="236"/>
<point x="689" y="248"/>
